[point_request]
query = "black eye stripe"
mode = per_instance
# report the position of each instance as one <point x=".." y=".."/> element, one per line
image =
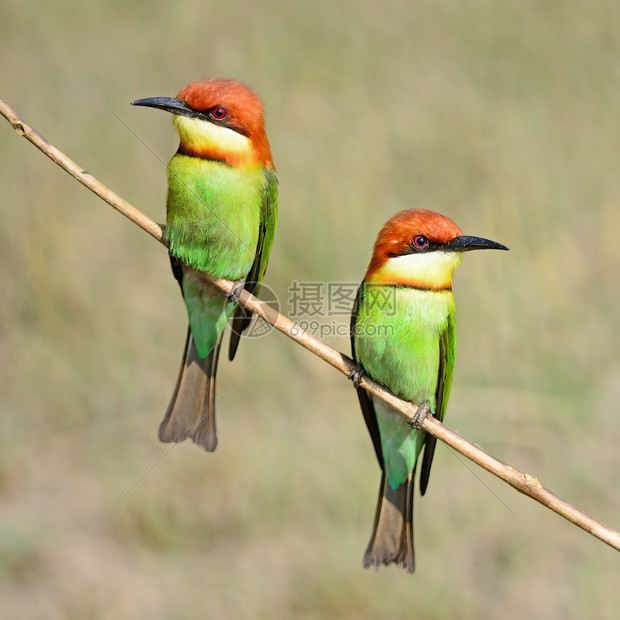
<point x="224" y="121"/>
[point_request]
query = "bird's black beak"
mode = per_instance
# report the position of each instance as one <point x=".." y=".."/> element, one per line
<point x="465" y="243"/>
<point x="169" y="104"/>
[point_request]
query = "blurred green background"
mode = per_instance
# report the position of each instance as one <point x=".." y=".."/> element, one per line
<point x="369" y="107"/>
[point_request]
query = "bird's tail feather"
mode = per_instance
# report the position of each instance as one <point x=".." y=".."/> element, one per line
<point x="191" y="412"/>
<point x="392" y="536"/>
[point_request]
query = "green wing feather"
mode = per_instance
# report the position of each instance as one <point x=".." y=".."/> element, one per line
<point x="366" y="404"/>
<point x="268" y="221"/>
<point x="447" y="351"/>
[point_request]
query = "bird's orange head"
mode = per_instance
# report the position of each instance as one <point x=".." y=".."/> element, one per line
<point x="218" y="119"/>
<point x="421" y="249"/>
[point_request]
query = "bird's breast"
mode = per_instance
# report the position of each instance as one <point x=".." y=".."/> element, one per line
<point x="213" y="215"/>
<point x="397" y="336"/>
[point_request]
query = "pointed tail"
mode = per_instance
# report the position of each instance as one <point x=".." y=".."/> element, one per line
<point x="191" y="412"/>
<point x="392" y="536"/>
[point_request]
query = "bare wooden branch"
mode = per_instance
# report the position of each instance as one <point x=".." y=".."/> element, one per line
<point x="77" y="172"/>
<point x="523" y="482"/>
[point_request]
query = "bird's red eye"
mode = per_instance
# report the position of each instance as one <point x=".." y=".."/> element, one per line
<point x="419" y="242"/>
<point x="219" y="113"/>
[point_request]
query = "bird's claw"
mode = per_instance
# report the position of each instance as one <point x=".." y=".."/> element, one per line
<point x="356" y="375"/>
<point x="419" y="416"/>
<point x="235" y="291"/>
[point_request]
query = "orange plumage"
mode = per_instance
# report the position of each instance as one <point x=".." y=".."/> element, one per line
<point x="245" y="110"/>
<point x="396" y="234"/>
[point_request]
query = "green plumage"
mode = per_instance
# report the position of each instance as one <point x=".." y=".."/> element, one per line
<point x="220" y="220"/>
<point x="403" y="337"/>
<point x="405" y="340"/>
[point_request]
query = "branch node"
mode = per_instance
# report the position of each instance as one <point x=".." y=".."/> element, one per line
<point x="532" y="481"/>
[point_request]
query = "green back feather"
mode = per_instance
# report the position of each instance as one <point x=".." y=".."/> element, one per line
<point x="269" y="216"/>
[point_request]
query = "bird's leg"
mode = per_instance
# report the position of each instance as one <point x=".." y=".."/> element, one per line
<point x="356" y="375"/>
<point x="419" y="416"/>
<point x="235" y="291"/>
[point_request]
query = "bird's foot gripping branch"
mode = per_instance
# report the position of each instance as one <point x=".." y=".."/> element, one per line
<point x="417" y="421"/>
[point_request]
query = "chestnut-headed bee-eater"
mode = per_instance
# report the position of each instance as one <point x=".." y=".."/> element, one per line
<point x="403" y="337"/>
<point x="221" y="220"/>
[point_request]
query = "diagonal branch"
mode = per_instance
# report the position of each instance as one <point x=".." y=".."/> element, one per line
<point x="523" y="482"/>
<point x="77" y="172"/>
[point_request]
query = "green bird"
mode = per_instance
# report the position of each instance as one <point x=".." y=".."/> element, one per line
<point x="403" y="337"/>
<point x="221" y="220"/>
